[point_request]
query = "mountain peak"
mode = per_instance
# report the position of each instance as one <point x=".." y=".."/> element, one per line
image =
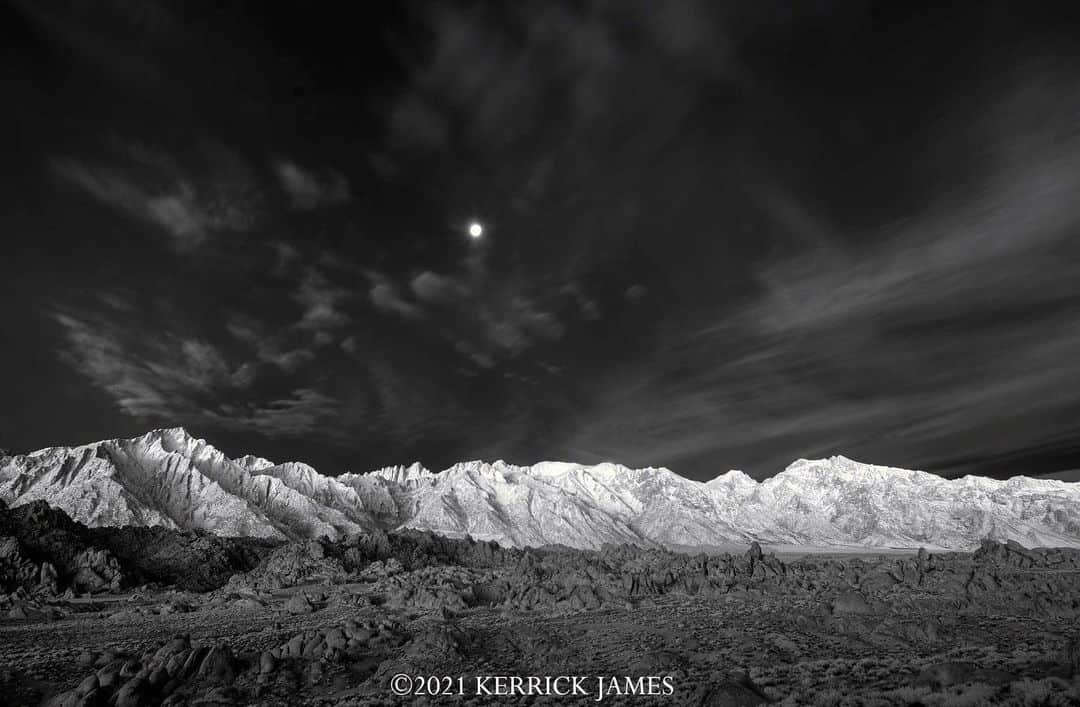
<point x="403" y="475"/>
<point x="177" y="435"/>
<point x="177" y="440"/>
<point x="168" y="477"/>
<point x="177" y="432"/>
<point x="732" y="477"/>
<point x="834" y="463"/>
<point x="253" y="463"/>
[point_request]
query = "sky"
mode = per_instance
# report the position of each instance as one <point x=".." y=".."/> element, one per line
<point x="715" y="235"/>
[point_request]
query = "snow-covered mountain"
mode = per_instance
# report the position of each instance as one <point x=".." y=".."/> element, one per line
<point x="169" y="478"/>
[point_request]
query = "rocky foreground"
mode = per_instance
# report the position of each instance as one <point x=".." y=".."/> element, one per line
<point x="139" y="616"/>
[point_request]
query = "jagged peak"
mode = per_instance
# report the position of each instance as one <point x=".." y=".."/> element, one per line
<point x="840" y="469"/>
<point x="176" y="433"/>
<point x="479" y="466"/>
<point x="605" y="501"/>
<point x="297" y="466"/>
<point x="174" y="440"/>
<point x="613" y="470"/>
<point x="732" y="477"/>
<point x="837" y="462"/>
<point x="254" y="463"/>
<point x="543" y="469"/>
<point x="832" y="460"/>
<point x="401" y="474"/>
<point x="552" y="470"/>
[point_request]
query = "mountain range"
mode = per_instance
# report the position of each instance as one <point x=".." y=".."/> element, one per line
<point x="170" y="478"/>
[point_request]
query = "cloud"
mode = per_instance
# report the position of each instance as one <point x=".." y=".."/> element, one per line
<point x="493" y="85"/>
<point x="93" y="35"/>
<point x="519" y="325"/>
<point x="434" y="288"/>
<point x="172" y="379"/>
<point x="556" y="85"/>
<point x="309" y="190"/>
<point x="415" y="123"/>
<point x="350" y="345"/>
<point x="588" y="307"/>
<point x="483" y="324"/>
<point x="478" y="357"/>
<point x="387" y="298"/>
<point x="320" y="300"/>
<point x="302" y="411"/>
<point x="285" y="256"/>
<point x="176" y="213"/>
<point x="155" y="190"/>
<point x="167" y="372"/>
<point x="635" y="292"/>
<point x="323" y="317"/>
<point x="949" y="331"/>
<point x="119" y="301"/>
<point x="270" y="348"/>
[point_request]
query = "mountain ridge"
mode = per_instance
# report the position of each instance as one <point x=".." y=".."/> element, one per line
<point x="171" y="478"/>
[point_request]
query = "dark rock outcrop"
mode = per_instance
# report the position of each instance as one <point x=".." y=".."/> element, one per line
<point x="43" y="550"/>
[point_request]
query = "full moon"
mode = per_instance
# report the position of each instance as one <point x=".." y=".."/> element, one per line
<point x="476" y="230"/>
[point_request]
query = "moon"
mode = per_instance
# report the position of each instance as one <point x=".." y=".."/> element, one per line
<point x="476" y="230"/>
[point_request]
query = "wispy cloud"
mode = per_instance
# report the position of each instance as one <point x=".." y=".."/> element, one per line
<point x="952" y="330"/>
<point x="481" y="324"/>
<point x="320" y="299"/>
<point x="270" y="347"/>
<point x="167" y="373"/>
<point x="152" y="188"/>
<point x="588" y="307"/>
<point x="494" y="79"/>
<point x="309" y="190"/>
<point x="415" y="123"/>
<point x="519" y="324"/>
<point x="176" y="212"/>
<point x="435" y="288"/>
<point x="285" y="257"/>
<point x="302" y="411"/>
<point x="172" y="379"/>
<point x="386" y="297"/>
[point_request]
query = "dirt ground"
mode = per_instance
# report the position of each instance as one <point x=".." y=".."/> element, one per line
<point x="766" y="643"/>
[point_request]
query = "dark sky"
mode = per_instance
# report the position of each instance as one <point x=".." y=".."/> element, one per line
<point x="717" y="235"/>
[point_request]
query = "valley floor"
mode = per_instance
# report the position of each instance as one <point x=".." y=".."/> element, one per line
<point x="126" y="617"/>
<point x="769" y="641"/>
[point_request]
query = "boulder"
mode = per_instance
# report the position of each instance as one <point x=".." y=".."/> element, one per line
<point x="851" y="603"/>
<point x="946" y="674"/>
<point x="299" y="604"/>
<point x="219" y="665"/>
<point x="133" y="693"/>
<point x="48" y="578"/>
<point x="267" y="663"/>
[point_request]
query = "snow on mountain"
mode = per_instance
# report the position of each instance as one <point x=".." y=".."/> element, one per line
<point x="840" y="501"/>
<point x="517" y="506"/>
<point x="169" y="478"/>
<point x="1066" y="475"/>
<point x="406" y="476"/>
<point x="251" y="462"/>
